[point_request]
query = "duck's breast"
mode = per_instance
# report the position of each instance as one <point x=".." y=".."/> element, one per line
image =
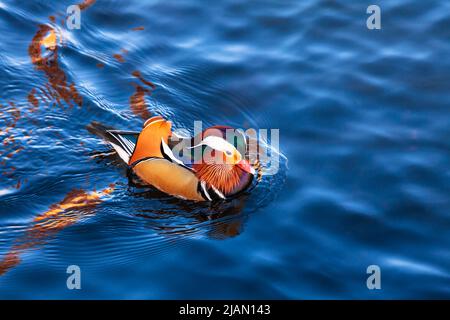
<point x="169" y="177"/>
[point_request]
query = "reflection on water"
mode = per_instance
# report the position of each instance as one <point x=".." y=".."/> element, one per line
<point x="137" y="101"/>
<point x="119" y="57"/>
<point x="216" y="221"/>
<point x="47" y="61"/>
<point x="86" y="4"/>
<point x="76" y="205"/>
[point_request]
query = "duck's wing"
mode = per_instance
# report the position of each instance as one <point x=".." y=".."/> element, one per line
<point x="152" y="142"/>
<point x="124" y="142"/>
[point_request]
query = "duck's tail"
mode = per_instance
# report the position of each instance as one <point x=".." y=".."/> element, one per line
<point x="123" y="142"/>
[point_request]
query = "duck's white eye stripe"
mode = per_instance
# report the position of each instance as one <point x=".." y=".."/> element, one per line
<point x="218" y="144"/>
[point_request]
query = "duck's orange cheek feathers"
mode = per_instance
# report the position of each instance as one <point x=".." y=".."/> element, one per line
<point x="221" y="176"/>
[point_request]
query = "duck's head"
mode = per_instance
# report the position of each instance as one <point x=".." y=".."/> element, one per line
<point x="223" y="165"/>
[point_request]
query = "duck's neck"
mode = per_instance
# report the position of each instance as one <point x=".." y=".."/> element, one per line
<point x="224" y="177"/>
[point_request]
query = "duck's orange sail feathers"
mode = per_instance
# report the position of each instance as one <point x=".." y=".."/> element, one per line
<point x="149" y="141"/>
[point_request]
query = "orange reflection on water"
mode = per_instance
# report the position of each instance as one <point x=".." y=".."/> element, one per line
<point x="47" y="61"/>
<point x="57" y="217"/>
<point x="119" y="57"/>
<point x="137" y="101"/>
<point x="33" y="100"/>
<point x="138" y="75"/>
<point x="138" y="104"/>
<point x="11" y="116"/>
<point x="86" y="4"/>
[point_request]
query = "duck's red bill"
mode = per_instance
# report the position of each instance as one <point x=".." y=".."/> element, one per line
<point x="244" y="165"/>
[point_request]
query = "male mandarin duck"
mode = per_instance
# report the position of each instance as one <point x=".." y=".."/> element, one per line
<point x="149" y="154"/>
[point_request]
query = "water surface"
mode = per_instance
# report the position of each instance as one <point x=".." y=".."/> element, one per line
<point x="363" y="119"/>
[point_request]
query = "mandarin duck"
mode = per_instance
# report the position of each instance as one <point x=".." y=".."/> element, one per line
<point x="149" y="155"/>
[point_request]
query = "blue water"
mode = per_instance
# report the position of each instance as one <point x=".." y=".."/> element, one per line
<point x="364" y="123"/>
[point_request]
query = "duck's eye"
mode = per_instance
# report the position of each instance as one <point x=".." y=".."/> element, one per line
<point x="228" y="153"/>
